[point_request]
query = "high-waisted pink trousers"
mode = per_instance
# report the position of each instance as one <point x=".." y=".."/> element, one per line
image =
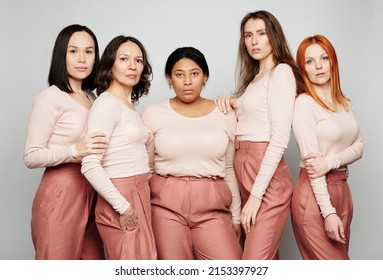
<point x="63" y="223"/>
<point x="192" y="218"/>
<point x="308" y="223"/>
<point x="262" y="242"/>
<point x="122" y="244"/>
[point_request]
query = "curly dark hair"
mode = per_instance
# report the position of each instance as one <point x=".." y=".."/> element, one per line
<point x="104" y="77"/>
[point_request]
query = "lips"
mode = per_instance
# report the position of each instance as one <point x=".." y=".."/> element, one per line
<point x="82" y="69"/>
<point x="188" y="91"/>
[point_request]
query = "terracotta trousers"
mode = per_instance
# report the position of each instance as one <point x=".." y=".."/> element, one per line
<point x="308" y="223"/>
<point x="192" y="219"/>
<point x="63" y="222"/>
<point x="122" y="244"/>
<point x="262" y="242"/>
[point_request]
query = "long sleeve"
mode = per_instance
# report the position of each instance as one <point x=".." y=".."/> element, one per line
<point x="281" y="108"/>
<point x="347" y="156"/>
<point x="305" y="132"/>
<point x="150" y="147"/>
<point x="230" y="177"/>
<point x="55" y="124"/>
<point x="103" y="117"/>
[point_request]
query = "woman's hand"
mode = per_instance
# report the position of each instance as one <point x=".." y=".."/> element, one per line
<point x="225" y="103"/>
<point x="129" y="219"/>
<point x="93" y="143"/>
<point x="334" y="228"/>
<point x="316" y="165"/>
<point x="249" y="213"/>
<point x="238" y="230"/>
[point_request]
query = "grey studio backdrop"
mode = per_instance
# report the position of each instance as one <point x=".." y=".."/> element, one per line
<point x="29" y="28"/>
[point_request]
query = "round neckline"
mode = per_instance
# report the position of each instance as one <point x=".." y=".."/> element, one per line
<point x="179" y="114"/>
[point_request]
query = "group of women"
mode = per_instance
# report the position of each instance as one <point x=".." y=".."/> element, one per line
<point x="191" y="178"/>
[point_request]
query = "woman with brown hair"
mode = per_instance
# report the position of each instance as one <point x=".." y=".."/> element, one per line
<point x="268" y="80"/>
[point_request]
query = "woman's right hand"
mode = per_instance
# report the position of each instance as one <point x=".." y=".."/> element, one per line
<point x="129" y="219"/>
<point x="225" y="103"/>
<point x="93" y="143"/>
<point x="334" y="228"/>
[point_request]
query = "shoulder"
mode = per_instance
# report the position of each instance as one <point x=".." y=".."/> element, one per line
<point x="304" y="99"/>
<point x="106" y="101"/>
<point x="304" y="102"/>
<point x="282" y="73"/>
<point x="283" y="68"/>
<point x="156" y="107"/>
<point x="51" y="95"/>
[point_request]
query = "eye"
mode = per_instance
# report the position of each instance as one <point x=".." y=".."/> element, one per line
<point x="72" y="51"/>
<point x="247" y="36"/>
<point x="178" y="75"/>
<point x="263" y="33"/>
<point x="89" y="52"/>
<point x="123" y="59"/>
<point x="325" y="58"/>
<point x="309" y="61"/>
<point x="194" y="74"/>
<point x="139" y="60"/>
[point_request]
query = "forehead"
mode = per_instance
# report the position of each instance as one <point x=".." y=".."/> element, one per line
<point x="254" y="24"/>
<point x="129" y="48"/>
<point x="81" y="38"/>
<point x="185" y="64"/>
<point x="314" y="50"/>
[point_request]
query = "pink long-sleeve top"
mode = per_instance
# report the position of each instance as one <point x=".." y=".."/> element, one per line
<point x="264" y="113"/>
<point x="125" y="154"/>
<point x="198" y="147"/>
<point x="334" y="135"/>
<point x="56" y="123"/>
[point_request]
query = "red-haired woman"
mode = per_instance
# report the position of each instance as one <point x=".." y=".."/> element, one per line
<point x="328" y="138"/>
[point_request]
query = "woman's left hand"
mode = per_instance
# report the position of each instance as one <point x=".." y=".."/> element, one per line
<point x="249" y="213"/>
<point x="334" y="228"/>
<point x="316" y="165"/>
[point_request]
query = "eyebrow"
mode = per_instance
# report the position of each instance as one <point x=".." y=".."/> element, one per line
<point x="124" y="54"/>
<point x="70" y="46"/>
<point x="193" y="69"/>
<point x="306" y="57"/>
<point x="258" y="30"/>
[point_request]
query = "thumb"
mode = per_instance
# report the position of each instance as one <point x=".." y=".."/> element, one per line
<point x="341" y="232"/>
<point x="310" y="155"/>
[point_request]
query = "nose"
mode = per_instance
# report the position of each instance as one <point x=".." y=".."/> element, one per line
<point x="132" y="64"/>
<point x="318" y="64"/>
<point x="81" y="57"/>
<point x="187" y="80"/>
<point x="254" y="40"/>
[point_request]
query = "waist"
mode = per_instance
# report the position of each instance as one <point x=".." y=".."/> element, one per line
<point x="131" y="179"/>
<point x="189" y="178"/>
<point x="333" y="175"/>
<point x="66" y="167"/>
<point x="250" y="145"/>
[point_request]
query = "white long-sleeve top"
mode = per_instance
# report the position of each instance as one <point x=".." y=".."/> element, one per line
<point x="125" y="154"/>
<point x="265" y="113"/>
<point x="56" y="123"/>
<point x="198" y="147"/>
<point x="334" y="135"/>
